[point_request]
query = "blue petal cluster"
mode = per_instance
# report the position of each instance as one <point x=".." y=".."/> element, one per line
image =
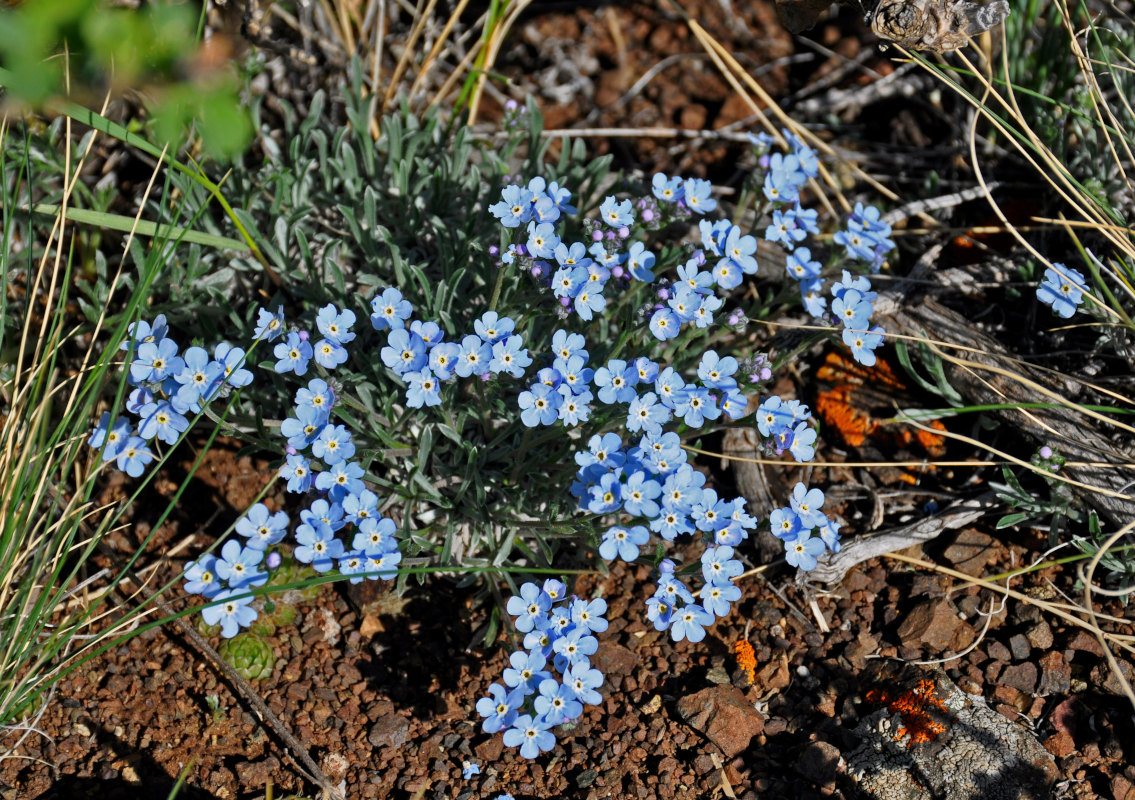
<point x="558" y="639"/>
<point x="419" y="354"/>
<point x="169" y="386"/>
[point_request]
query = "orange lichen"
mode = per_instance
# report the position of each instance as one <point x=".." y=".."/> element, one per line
<point x="917" y="709"/>
<point x="746" y="658"/>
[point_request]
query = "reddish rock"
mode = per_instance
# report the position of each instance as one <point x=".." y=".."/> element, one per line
<point x="998" y="651"/>
<point x="935" y="625"/>
<point x="1021" y="677"/>
<point x="1122" y="789"/>
<point x="1087" y="642"/>
<point x="724" y="715"/>
<point x="1055" y="674"/>
<point x="1060" y="744"/>
<point x="613" y="659"/>
<point x="489" y="751"/>
<point x="1104" y="677"/>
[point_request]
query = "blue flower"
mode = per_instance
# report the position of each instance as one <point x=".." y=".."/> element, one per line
<point x="574" y="646"/>
<point x="540" y="405"/>
<point x="510" y="356"/>
<point x="269" y="325"/>
<point x="728" y="274"/>
<point x="583" y="681"/>
<point x="293" y="355"/>
<point x="616" y="382"/>
<point x="659" y="612"/>
<point x="531" y="604"/>
<point x="639" y="493"/>
<point x="443" y="359"/>
<point x="390" y="310"/>
<point x="668" y="190"/>
<point x="422" y="388"/>
<point x="664" y="324"/>
<point x="335" y="324"/>
<point x="469" y="769"/>
<point x="695" y="405"/>
<point x="230" y="612"/>
<point x="1062" y="288"/>
<point x="784" y="523"/>
<point x="155" y="361"/>
<point x="703" y="316"/>
<point x="689" y="622"/>
<point x="607" y="495"/>
<point x="317" y="546"/>
<point x="829" y="534"/>
<point x="588" y="614"/>
<point x="530" y="735"/>
<point x="199" y="379"/>
<point x="640" y="262"/>
<point x="340" y="479"/>
<point x="232" y="361"/>
<point x="134" y="456"/>
<point x="542" y="240"/>
<point x="262" y="528"/>
<point x="587" y="302"/>
<point x="863" y="344"/>
<point x="492" y="328"/>
<point x="329" y="354"/>
<point x="474" y="357"/>
<point x="526" y="672"/>
<point x="806" y="504"/>
<point x="802" y="551"/>
<point x="302" y="429"/>
<point x="852" y="309"/>
<point x="515" y="206"/>
<point x="803" y="442"/>
<point x="333" y="444"/>
<point x="382" y="565"/>
<point x="568" y="281"/>
<point x="739" y="248"/>
<point x="718" y="566"/>
<point x="404" y="352"/>
<point x="574" y="408"/>
<point x="697" y="196"/>
<point x="238" y="565"/>
<point x="783" y="229"/>
<point x="623" y="542"/>
<point x="499" y="708"/>
<point x="161" y="420"/>
<point x="616" y="214"/>
<point x="716" y="598"/>
<point x="684" y="303"/>
<point x="647" y="414"/>
<point x="800" y="265"/>
<point x="297" y="471"/>
<point x="556" y="703"/>
<point x="375" y="535"/>
<point x="572" y="255"/>
<point x="142" y="331"/>
<point x="693" y="276"/>
<point x="317" y="396"/>
<point x="814" y="303"/>
<point x="716" y="372"/>
<point x="647" y="370"/>
<point x="603" y="450"/>
<point x="560" y="197"/>
<point x="565" y="345"/>
<point x="429" y="332"/>
<point x="201" y="576"/>
<point x="330" y="514"/>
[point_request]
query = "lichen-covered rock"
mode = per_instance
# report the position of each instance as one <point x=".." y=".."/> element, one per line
<point x="961" y="749"/>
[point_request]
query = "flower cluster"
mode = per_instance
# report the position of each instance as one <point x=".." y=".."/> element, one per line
<point x="866" y="238"/>
<point x="795" y="523"/>
<point x="853" y="304"/>
<point x="418" y="354"/>
<point x="169" y="386"/>
<point x="558" y="628"/>
<point x="1062" y="288"/>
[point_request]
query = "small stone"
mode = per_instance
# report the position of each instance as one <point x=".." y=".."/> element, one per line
<point x="998" y="651"/>
<point x="935" y="624"/>
<point x="724" y="715"/>
<point x="390" y="731"/>
<point x="1086" y="642"/>
<point x="971" y="552"/>
<point x="1122" y="789"/>
<point x="1021" y="677"/>
<point x="1055" y="674"/>
<point x="489" y="750"/>
<point x="821" y="763"/>
<point x="1020" y="647"/>
<point x="1060" y="744"/>
<point x="586" y="778"/>
<point x="1106" y="679"/>
<point x="613" y="659"/>
<point x="1040" y="636"/>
